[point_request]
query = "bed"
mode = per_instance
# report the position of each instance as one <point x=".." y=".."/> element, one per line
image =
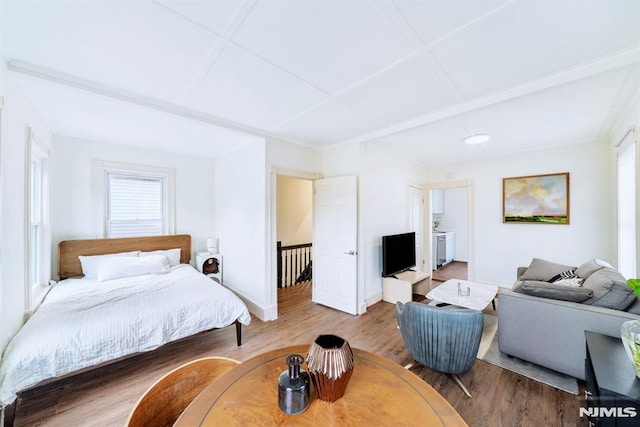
<point x="88" y="321"/>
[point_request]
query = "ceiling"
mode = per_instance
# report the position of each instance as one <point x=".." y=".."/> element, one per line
<point x="413" y="76"/>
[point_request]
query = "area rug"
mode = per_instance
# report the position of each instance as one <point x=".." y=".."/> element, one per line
<point x="489" y="352"/>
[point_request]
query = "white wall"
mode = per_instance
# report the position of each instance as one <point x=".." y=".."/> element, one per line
<point x="294" y="210"/>
<point x="384" y="183"/>
<point x="240" y="207"/>
<point x="17" y="114"/>
<point x="71" y="187"/>
<point x="501" y="248"/>
<point x="283" y="154"/>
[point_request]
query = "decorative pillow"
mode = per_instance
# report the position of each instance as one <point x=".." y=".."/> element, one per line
<point x="567" y="278"/>
<point x="91" y="263"/>
<point x="590" y="267"/>
<point x="610" y="289"/>
<point x="543" y="270"/>
<point x="173" y="255"/>
<point x="120" y="267"/>
<point x="550" y="290"/>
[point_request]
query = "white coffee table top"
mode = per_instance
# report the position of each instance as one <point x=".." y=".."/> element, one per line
<point x="481" y="294"/>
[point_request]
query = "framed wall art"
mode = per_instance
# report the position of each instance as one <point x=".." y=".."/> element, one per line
<point x="537" y="199"/>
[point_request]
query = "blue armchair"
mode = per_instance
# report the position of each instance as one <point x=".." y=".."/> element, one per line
<point x="445" y="339"/>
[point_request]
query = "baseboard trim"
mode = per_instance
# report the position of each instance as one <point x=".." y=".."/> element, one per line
<point x="373" y="299"/>
<point x="262" y="313"/>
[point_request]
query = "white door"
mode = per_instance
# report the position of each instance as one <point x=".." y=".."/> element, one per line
<point x="335" y="237"/>
<point x="415" y="222"/>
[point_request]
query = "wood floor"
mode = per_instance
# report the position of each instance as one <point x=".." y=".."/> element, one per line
<point x="104" y="398"/>
<point x="453" y="270"/>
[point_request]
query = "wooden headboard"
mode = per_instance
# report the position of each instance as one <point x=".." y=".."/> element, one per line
<point x="69" y="250"/>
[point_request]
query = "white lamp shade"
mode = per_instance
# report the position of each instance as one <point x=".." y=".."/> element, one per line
<point x="211" y="244"/>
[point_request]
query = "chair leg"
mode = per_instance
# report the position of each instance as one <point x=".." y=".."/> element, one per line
<point x="410" y="365"/>
<point x="461" y="384"/>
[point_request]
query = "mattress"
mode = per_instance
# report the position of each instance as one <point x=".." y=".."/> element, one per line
<point x="83" y="323"/>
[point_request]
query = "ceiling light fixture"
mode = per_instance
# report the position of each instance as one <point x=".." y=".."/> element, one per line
<point x="477" y="139"/>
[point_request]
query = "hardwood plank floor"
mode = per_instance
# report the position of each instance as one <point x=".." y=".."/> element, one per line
<point x="105" y="397"/>
<point x="453" y="270"/>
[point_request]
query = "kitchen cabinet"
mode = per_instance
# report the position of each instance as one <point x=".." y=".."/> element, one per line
<point x="437" y="202"/>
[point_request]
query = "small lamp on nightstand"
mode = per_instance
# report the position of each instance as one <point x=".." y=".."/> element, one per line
<point x="211" y="245"/>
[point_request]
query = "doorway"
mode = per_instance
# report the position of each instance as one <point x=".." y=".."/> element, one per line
<point x="294" y="236"/>
<point x="449" y="222"/>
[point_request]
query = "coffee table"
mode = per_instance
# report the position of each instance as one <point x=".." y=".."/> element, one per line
<point x="380" y="392"/>
<point x="480" y="294"/>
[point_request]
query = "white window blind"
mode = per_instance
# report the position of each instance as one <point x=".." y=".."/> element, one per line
<point x="135" y="205"/>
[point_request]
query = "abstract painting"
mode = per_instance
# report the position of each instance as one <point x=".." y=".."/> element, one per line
<point x="540" y="199"/>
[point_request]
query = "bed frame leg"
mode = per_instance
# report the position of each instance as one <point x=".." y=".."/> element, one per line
<point x="8" y="415"/>
<point x="239" y="333"/>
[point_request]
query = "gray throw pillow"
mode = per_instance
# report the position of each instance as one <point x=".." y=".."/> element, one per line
<point x="549" y="290"/>
<point x="543" y="270"/>
<point x="610" y="289"/>
<point x="590" y="267"/>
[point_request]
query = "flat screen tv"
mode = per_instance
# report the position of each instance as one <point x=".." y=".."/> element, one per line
<point x="398" y="253"/>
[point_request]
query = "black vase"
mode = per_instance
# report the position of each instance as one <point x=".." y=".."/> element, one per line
<point x="294" y="388"/>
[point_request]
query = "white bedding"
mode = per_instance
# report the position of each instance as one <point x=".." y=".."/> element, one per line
<point x="83" y="323"/>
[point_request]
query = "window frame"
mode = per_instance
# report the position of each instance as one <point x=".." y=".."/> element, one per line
<point x="101" y="170"/>
<point x="37" y="241"/>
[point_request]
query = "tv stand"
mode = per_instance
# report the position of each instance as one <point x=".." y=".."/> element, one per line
<point x="402" y="286"/>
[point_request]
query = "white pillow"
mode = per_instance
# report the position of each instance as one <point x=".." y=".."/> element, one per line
<point x="120" y="267"/>
<point x="91" y="263"/>
<point x="173" y="255"/>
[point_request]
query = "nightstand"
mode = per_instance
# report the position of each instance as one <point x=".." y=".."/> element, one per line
<point x="210" y="264"/>
<point x="613" y="390"/>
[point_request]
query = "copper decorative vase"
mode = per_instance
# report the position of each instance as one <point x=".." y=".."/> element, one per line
<point x="330" y="364"/>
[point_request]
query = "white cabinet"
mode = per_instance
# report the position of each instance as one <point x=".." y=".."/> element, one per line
<point x="404" y="285"/>
<point x="437" y="202"/>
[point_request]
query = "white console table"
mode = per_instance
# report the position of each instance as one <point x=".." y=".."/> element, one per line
<point x="404" y="285"/>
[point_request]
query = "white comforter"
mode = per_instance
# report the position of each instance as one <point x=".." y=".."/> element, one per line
<point x="83" y="323"/>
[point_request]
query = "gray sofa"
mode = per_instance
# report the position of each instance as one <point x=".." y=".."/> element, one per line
<point x="550" y="332"/>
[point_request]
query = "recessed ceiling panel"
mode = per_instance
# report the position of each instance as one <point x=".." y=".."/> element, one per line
<point x="530" y="39"/>
<point x="81" y="114"/>
<point x="136" y="46"/>
<point x="325" y="124"/>
<point x="592" y="94"/>
<point x="435" y="143"/>
<point x="333" y="44"/>
<point x="406" y="90"/>
<point x="214" y="15"/>
<point x="574" y="130"/>
<point x="244" y="88"/>
<point x="432" y="20"/>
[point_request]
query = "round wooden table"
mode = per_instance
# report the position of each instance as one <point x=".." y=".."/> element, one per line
<point x="380" y="392"/>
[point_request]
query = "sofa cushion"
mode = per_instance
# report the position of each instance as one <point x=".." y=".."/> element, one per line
<point x="610" y="289"/>
<point x="543" y="270"/>
<point x="634" y="307"/>
<point x="549" y="290"/>
<point x="590" y="267"/>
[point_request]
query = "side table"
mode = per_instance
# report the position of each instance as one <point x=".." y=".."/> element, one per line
<point x="613" y="390"/>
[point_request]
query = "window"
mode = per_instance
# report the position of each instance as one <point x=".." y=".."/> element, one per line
<point x="134" y="200"/>
<point x="627" y="192"/>
<point x="135" y="205"/>
<point x="38" y="239"/>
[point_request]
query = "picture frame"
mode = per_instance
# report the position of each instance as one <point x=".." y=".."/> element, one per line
<point x="536" y="199"/>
